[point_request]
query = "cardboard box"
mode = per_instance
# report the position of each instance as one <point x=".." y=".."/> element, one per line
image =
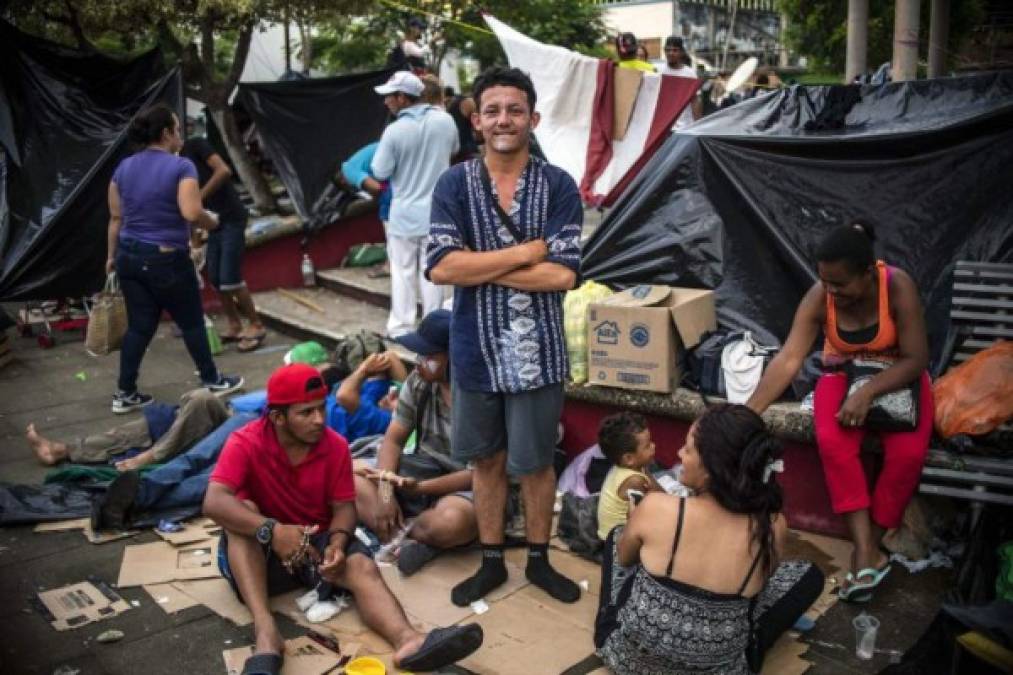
<point x="635" y="337"/>
<point x="161" y="562"/>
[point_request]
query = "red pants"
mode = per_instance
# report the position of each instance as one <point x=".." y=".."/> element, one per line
<point x="903" y="455"/>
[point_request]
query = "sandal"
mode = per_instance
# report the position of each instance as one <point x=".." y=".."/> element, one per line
<point x="251" y="343"/>
<point x="227" y="339"/>
<point x="862" y="592"/>
<point x="444" y="646"/>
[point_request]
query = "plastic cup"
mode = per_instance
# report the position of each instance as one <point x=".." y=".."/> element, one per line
<point x="866" y="627"/>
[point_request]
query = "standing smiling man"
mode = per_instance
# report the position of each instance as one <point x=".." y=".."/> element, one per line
<point x="506" y="233"/>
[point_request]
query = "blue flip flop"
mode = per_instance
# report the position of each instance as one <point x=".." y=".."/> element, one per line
<point x="862" y="592"/>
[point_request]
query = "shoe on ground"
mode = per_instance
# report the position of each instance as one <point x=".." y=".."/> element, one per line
<point x="109" y="512"/>
<point x="124" y="402"/>
<point x="226" y="384"/>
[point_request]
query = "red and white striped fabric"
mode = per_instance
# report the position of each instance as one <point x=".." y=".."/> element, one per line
<point x="576" y="102"/>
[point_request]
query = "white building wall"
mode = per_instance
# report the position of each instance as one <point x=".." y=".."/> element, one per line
<point x="646" y="20"/>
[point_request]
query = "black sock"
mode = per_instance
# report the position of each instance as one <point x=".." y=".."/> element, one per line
<point x="491" y="574"/>
<point x="541" y="574"/>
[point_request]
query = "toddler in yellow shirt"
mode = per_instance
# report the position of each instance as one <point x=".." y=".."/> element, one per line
<point x="626" y="441"/>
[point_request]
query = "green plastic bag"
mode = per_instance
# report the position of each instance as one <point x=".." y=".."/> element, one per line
<point x="1004" y="580"/>
<point x="365" y="255"/>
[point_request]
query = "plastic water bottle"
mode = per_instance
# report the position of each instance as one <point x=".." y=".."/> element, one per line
<point x="309" y="275"/>
<point x="214" y="340"/>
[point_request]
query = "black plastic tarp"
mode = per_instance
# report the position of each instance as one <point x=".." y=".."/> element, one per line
<point x="308" y="127"/>
<point x="737" y="202"/>
<point x="63" y="120"/>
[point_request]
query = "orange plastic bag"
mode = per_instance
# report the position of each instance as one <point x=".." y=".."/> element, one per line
<point x="977" y="396"/>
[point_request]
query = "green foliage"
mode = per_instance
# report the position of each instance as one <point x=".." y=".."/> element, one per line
<point x="818" y="30"/>
<point x="345" y="44"/>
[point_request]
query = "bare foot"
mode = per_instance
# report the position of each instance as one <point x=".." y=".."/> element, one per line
<point x="269" y="641"/>
<point x="48" y="452"/>
<point x="410" y="643"/>
<point x="135" y="462"/>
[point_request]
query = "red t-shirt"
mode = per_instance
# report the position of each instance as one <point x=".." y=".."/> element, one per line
<point x="254" y="464"/>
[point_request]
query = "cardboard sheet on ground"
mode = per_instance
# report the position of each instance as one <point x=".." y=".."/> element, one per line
<point x="80" y="604"/>
<point x="520" y="626"/>
<point x="62" y="525"/>
<point x="218" y="596"/>
<point x="193" y="531"/>
<point x="303" y="656"/>
<point x="170" y="598"/>
<point x="161" y="562"/>
<point x="784" y="657"/>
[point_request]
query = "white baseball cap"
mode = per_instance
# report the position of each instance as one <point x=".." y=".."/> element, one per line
<point x="401" y="81"/>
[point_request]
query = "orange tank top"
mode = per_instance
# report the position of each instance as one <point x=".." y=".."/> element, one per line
<point x="882" y="346"/>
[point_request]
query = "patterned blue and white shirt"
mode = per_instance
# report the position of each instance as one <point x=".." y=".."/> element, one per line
<point x="503" y="339"/>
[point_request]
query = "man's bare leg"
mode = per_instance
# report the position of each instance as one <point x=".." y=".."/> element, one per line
<point x="244" y="303"/>
<point x="489" y="480"/>
<point x="378" y="607"/>
<point x="449" y="523"/>
<point x="48" y="452"/>
<point x="367" y="496"/>
<point x="539" y="492"/>
<point x="231" y="312"/>
<point x="249" y="569"/>
<point x="381" y="611"/>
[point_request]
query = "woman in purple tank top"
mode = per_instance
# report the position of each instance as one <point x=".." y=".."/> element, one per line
<point x="154" y="200"/>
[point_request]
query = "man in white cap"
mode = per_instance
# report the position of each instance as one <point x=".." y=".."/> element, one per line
<point x="414" y="150"/>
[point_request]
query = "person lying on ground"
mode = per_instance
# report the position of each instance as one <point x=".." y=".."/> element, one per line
<point x="162" y="433"/>
<point x="868" y="311"/>
<point x="363" y="403"/>
<point x="284" y="495"/>
<point x="430" y="486"/>
<point x="713" y="561"/>
<point x="179" y="483"/>
<point x="626" y="441"/>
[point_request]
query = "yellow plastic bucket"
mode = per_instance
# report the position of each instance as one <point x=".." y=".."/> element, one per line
<point x="365" y="665"/>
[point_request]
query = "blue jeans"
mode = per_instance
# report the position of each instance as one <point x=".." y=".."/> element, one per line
<point x="184" y="480"/>
<point x="153" y="281"/>
<point x="225" y="255"/>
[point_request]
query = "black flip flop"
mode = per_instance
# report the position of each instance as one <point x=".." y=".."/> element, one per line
<point x="227" y="339"/>
<point x="263" y="664"/>
<point x="444" y="646"/>
<point x="255" y="340"/>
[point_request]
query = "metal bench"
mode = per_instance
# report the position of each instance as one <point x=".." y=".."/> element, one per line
<point x="981" y="314"/>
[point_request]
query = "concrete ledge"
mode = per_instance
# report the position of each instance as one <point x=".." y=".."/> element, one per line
<point x="786" y="420"/>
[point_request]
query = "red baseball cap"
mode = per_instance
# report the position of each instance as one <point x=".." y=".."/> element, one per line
<point x="295" y="383"/>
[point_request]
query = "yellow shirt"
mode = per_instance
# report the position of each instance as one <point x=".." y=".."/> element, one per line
<point x="612" y="509"/>
<point x="637" y="64"/>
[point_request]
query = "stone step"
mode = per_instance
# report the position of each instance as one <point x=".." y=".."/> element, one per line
<point x="355" y="282"/>
<point x="294" y="312"/>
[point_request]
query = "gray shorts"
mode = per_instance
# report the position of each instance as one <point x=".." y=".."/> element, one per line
<point x="523" y="424"/>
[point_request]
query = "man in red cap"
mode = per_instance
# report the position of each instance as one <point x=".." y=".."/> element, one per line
<point x="285" y="479"/>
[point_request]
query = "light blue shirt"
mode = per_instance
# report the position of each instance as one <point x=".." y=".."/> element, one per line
<point x="414" y="151"/>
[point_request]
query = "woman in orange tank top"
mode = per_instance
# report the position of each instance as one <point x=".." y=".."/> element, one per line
<point x="865" y="309"/>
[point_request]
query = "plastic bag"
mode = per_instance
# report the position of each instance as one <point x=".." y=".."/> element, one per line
<point x="976" y="397"/>
<point x="575" y="325"/>
<point x="107" y="322"/>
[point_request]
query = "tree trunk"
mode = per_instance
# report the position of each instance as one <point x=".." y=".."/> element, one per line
<point x="249" y="173"/>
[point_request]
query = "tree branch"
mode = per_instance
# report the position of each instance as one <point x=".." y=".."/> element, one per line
<point x="239" y="57"/>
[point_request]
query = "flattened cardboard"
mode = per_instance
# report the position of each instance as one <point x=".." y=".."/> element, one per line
<point x="161" y="562"/>
<point x="521" y="638"/>
<point x="303" y="656"/>
<point x="635" y="337"/>
<point x="80" y="604"/>
<point x="218" y="596"/>
<point x="626" y="87"/>
<point x="193" y="531"/>
<point x="170" y="598"/>
<point x="784" y="657"/>
<point x="62" y="525"/>
<point x="106" y="536"/>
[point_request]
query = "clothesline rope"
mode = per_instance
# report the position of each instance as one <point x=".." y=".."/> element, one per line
<point x="416" y="10"/>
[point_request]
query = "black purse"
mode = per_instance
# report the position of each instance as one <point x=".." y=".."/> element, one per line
<point x="892" y="411"/>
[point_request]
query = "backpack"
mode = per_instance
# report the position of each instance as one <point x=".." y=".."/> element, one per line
<point x="354" y="349"/>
